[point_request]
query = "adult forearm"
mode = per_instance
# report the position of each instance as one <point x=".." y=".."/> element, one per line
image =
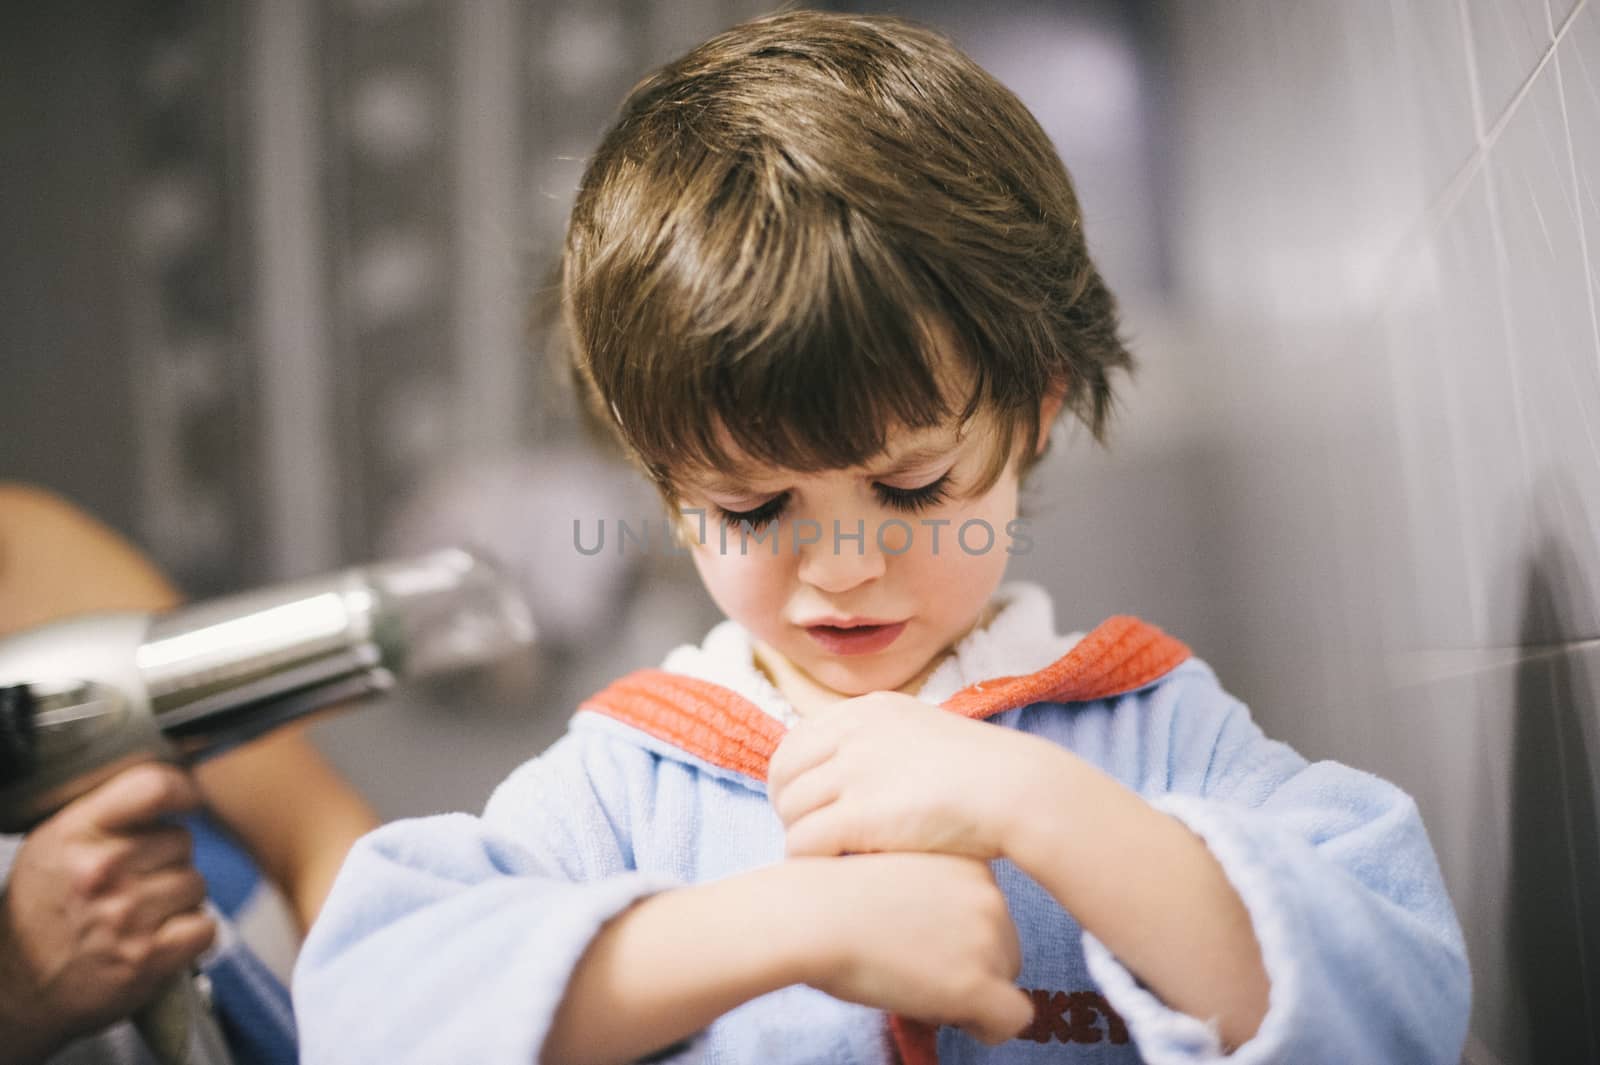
<point x="293" y="812"/>
<point x="321" y="856"/>
<point x="673" y="963"/>
<point x="1145" y="886"/>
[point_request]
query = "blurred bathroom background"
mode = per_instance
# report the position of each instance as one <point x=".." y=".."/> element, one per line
<point x="270" y="302"/>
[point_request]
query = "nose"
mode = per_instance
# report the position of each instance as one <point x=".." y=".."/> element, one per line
<point x="841" y="559"/>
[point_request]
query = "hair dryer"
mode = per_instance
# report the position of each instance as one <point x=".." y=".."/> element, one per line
<point x="82" y="698"/>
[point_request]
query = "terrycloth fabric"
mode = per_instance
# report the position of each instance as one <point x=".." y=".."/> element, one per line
<point x="453" y="938"/>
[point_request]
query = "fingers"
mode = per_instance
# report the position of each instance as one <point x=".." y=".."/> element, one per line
<point x="170" y="926"/>
<point x="822" y="833"/>
<point x="138" y="796"/>
<point x="806" y="746"/>
<point x="805" y="794"/>
<point x="180" y="941"/>
<point x="100" y="866"/>
<point x="159" y="898"/>
<point x="158" y="848"/>
<point x="110" y="838"/>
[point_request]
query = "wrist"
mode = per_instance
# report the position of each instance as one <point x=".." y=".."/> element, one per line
<point x="24" y="1037"/>
<point x="30" y="1031"/>
<point x="1037" y="801"/>
<point x="805" y="945"/>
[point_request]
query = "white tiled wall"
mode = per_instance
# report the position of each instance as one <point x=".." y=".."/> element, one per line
<point x="1387" y="268"/>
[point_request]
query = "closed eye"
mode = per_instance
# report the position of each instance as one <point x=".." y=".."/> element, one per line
<point x="903" y="499"/>
<point x="912" y="499"/>
<point x="758" y="517"/>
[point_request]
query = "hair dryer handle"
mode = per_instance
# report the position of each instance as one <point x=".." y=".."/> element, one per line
<point x="179" y="1028"/>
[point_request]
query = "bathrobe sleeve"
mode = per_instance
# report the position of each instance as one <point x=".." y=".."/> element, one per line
<point x="1360" y="942"/>
<point x="453" y="937"/>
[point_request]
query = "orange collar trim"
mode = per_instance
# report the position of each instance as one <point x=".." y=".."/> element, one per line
<point x="725" y="729"/>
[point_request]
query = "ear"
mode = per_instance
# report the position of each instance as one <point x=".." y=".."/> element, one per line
<point x="1049" y="407"/>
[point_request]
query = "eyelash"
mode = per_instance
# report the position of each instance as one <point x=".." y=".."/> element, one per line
<point x="909" y="500"/>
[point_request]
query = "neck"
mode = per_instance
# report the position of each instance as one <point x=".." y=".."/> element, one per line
<point x="805" y="694"/>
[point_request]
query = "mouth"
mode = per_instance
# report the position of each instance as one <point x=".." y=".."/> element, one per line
<point x="855" y="636"/>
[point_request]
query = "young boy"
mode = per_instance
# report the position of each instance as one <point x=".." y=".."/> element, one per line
<point x="827" y="281"/>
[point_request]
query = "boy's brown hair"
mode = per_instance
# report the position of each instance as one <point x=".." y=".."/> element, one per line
<point x="779" y="227"/>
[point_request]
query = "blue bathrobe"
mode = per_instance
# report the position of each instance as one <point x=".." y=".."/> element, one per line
<point x="452" y="938"/>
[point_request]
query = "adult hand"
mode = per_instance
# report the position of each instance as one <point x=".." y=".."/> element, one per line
<point x="102" y="905"/>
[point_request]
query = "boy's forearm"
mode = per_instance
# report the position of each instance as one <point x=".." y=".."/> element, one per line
<point x="1145" y="886"/>
<point x="673" y="963"/>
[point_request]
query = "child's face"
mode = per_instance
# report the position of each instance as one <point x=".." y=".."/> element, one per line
<point x="926" y="563"/>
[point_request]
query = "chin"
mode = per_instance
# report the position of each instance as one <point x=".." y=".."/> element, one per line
<point x="861" y="680"/>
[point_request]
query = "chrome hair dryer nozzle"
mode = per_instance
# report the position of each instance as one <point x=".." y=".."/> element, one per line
<point x="81" y="698"/>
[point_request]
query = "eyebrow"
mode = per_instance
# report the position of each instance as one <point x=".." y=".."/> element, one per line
<point x="732" y="485"/>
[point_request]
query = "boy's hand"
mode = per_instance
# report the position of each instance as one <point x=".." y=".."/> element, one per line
<point x="887" y="772"/>
<point x="924" y="935"/>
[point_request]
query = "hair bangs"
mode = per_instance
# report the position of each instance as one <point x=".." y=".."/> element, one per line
<point x="798" y="345"/>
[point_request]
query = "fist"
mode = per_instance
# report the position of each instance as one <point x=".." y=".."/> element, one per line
<point x="928" y="936"/>
<point x="101" y="906"/>
<point x="886" y="772"/>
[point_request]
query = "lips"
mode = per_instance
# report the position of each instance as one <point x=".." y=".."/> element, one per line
<point x="846" y="623"/>
<point x="856" y="638"/>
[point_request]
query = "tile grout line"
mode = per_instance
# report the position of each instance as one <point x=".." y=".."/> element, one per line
<point x="1406" y="251"/>
<point x="1431" y="219"/>
<point x="1497" y="235"/>
<point x="1455" y="188"/>
<point x="1432" y="216"/>
<point x="1493" y="133"/>
<point x="1572" y="16"/>
<point x="1429" y="222"/>
<point x="1566" y="132"/>
<point x="1501" y="260"/>
<point x="1435" y="216"/>
<point x="1450" y="199"/>
<point x="1430" y="665"/>
<point x="1529" y="650"/>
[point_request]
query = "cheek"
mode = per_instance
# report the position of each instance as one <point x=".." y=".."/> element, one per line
<point x="747" y="588"/>
<point x="971" y="561"/>
<point x="956" y="582"/>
